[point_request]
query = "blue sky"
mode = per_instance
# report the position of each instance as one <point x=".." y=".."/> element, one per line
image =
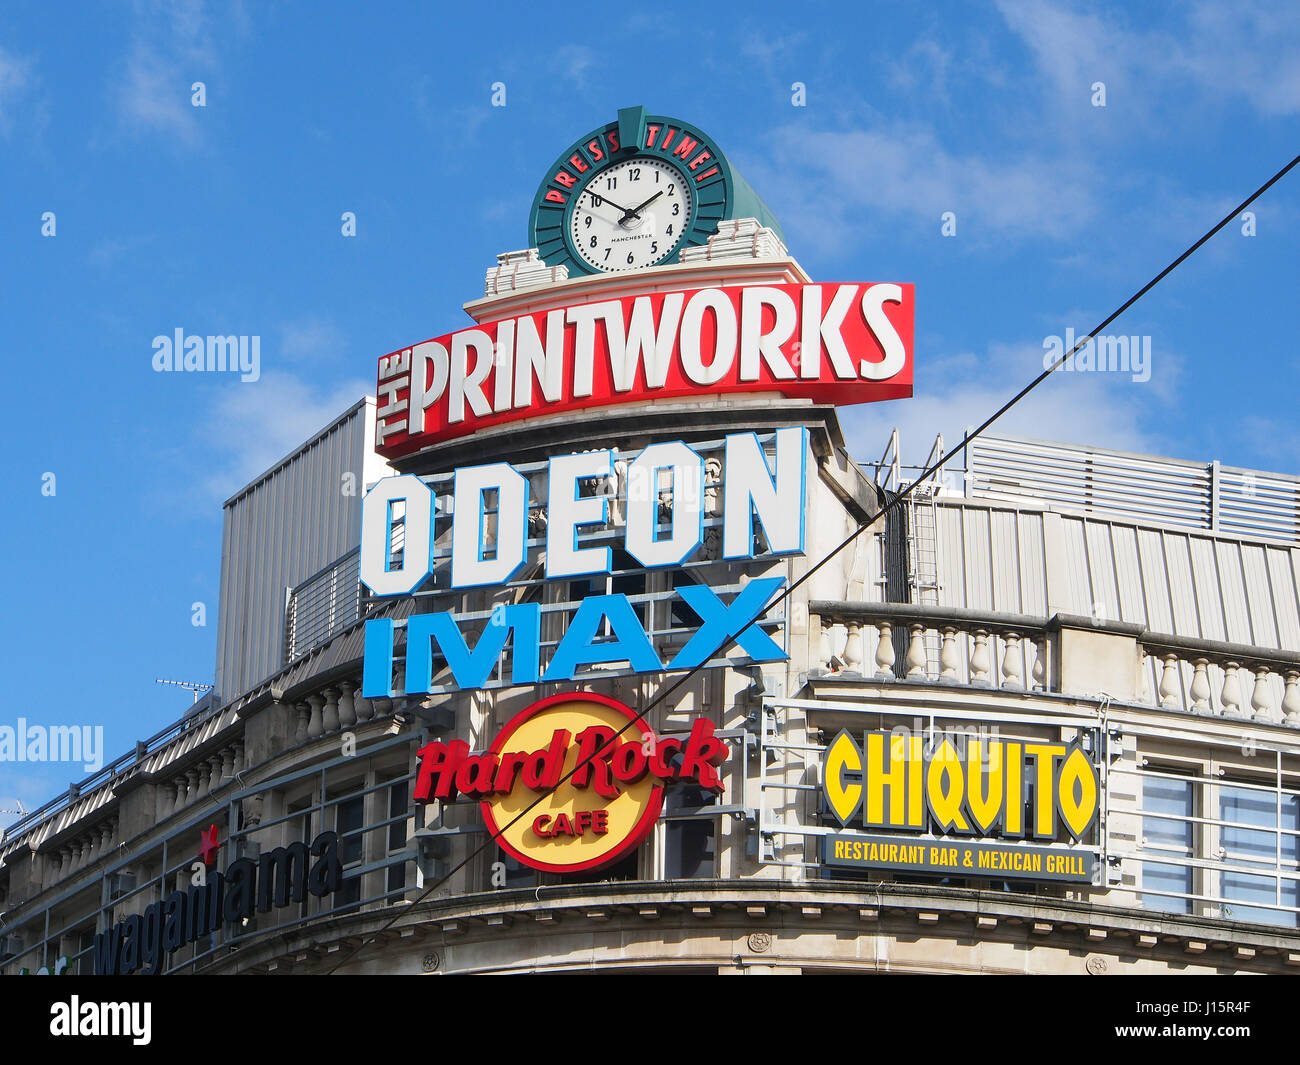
<point x="225" y="219"/>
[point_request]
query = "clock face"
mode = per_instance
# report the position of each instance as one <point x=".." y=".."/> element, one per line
<point x="631" y="215"/>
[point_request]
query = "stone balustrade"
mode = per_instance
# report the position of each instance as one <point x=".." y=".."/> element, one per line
<point x="903" y="641"/>
<point x="1222" y="679"/>
<point x="941" y="645"/>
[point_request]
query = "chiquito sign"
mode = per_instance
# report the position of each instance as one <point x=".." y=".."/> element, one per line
<point x="489" y="509"/>
<point x="573" y="783"/>
<point x="975" y="799"/>
<point x="832" y="343"/>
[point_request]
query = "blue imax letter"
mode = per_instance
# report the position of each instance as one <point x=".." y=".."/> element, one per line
<point x="721" y="622"/>
<point x="579" y="646"/>
<point x="471" y="668"/>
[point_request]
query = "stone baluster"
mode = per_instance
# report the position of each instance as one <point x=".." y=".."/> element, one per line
<point x="316" y="725"/>
<point x="347" y="710"/>
<point x="381" y="706"/>
<point x="1012" y="664"/>
<point x="1039" y="674"/>
<point x="179" y="784"/>
<point x="191" y="785"/>
<point x="331" y="716"/>
<point x="214" y="777"/>
<point x="1261" y="699"/>
<point x="949" y="659"/>
<point x="915" y="660"/>
<point x="1291" y="698"/>
<point x="1169" y="686"/>
<point x="83" y="855"/>
<point x="885" y="651"/>
<point x="300" y="731"/>
<point x="822" y="633"/>
<point x="203" y="772"/>
<point x="1200" y="690"/>
<point x="853" y="649"/>
<point x="1231" y="697"/>
<point x="237" y="757"/>
<point x="980" y="661"/>
<point x="365" y="709"/>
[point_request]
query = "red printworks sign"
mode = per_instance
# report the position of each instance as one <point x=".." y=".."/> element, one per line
<point x="832" y="343"/>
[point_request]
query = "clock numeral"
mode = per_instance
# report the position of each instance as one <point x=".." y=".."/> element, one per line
<point x="593" y="240"/>
<point x="676" y="210"/>
<point x="606" y="255"/>
<point x="654" y="247"/>
<point x="629" y="258"/>
<point x="656" y="177"/>
<point x="669" y="231"/>
<point x="588" y="220"/>
<point x="611" y="183"/>
<point x="671" y="187"/>
<point x="636" y="173"/>
<point x="596" y="201"/>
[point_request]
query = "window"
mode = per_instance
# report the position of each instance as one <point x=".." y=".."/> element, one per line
<point x="398" y="805"/>
<point x="349" y="817"/>
<point x="688" y="842"/>
<point x="517" y="875"/>
<point x="1259" y="829"/>
<point x="1167" y="828"/>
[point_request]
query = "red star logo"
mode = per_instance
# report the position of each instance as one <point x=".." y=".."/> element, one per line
<point x="208" y="846"/>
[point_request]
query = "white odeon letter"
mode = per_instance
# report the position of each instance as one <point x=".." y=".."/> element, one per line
<point x="750" y="487"/>
<point x="565" y="512"/>
<point x="686" y="531"/>
<point x="409" y="498"/>
<point x="472" y="526"/>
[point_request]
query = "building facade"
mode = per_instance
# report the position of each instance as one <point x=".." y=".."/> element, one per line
<point x="1041" y="717"/>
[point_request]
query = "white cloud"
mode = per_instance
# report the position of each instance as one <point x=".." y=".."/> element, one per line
<point x="1222" y="51"/>
<point x="573" y="61"/>
<point x="1107" y="410"/>
<point x="252" y="426"/>
<point x="310" y="338"/>
<point x="833" y="185"/>
<point x="15" y="79"/>
<point x="170" y="49"/>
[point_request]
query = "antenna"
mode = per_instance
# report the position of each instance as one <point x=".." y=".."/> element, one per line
<point x="189" y="685"/>
<point x="22" y="810"/>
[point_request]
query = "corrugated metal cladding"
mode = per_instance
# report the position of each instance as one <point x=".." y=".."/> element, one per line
<point x="1005" y="558"/>
<point x="283" y="528"/>
<point x="1140" y="488"/>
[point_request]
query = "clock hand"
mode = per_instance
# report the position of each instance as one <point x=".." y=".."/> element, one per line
<point x="637" y="210"/>
<point x="597" y="199"/>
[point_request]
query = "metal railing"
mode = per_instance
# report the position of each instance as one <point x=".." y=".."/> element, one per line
<point x="322" y="606"/>
<point x="1143" y="488"/>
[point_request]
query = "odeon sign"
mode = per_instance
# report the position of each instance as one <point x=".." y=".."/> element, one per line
<point x="573" y="783"/>
<point x="774" y="496"/>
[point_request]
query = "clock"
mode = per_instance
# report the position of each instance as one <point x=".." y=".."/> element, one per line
<point x="632" y="214"/>
<point x="634" y="194"/>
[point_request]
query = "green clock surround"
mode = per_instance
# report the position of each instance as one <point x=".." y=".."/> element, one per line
<point x="716" y="189"/>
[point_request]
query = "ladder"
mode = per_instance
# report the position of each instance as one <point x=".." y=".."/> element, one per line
<point x="923" y="561"/>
